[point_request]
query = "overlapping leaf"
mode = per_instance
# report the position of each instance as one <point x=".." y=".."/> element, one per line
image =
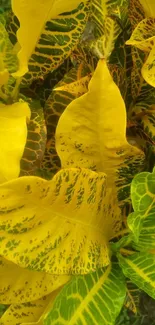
<point x="149" y="7"/>
<point x="96" y="298"/>
<point x="141" y="222"/>
<point x="91" y="133"/>
<point x="60" y="226"/>
<point x="13" y="134"/>
<point x="19" y="285"/>
<point x="140" y="269"/>
<point x="27" y="313"/>
<point x="53" y="40"/>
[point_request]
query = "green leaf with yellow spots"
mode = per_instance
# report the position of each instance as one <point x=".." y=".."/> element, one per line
<point x="95" y="298"/>
<point x="21" y="285"/>
<point x="140" y="269"/>
<point x="44" y="48"/>
<point x="36" y="141"/>
<point x="28" y="313"/>
<point x="141" y="221"/>
<point x="91" y="133"/>
<point x="39" y="229"/>
<point x="13" y="134"/>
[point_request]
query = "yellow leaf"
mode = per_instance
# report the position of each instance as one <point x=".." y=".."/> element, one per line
<point x="143" y="36"/>
<point x="21" y="285"/>
<point x="32" y="16"/>
<point x="4" y="77"/>
<point x="60" y="226"/>
<point x="148" y="69"/>
<point x="149" y="7"/>
<point x="91" y="133"/>
<point x="28" y="313"/>
<point x="13" y="133"/>
<point x="77" y="88"/>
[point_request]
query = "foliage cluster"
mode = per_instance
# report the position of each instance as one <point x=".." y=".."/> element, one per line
<point x="77" y="175"/>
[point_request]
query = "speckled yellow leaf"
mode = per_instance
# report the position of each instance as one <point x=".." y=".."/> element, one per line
<point x="19" y="285"/>
<point x="32" y="16"/>
<point x="77" y="87"/>
<point x="27" y="313"/>
<point x="13" y="133"/>
<point x="60" y="226"/>
<point x="143" y="36"/>
<point x="149" y="7"/>
<point x="91" y="133"/>
<point x="148" y="69"/>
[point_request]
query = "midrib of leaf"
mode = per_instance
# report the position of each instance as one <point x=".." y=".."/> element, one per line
<point x="89" y="298"/>
<point x="140" y="272"/>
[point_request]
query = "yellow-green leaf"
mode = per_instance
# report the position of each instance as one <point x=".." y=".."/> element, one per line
<point x="60" y="226"/>
<point x="149" y="7"/>
<point x="77" y="88"/>
<point x="13" y="134"/>
<point x="96" y="298"/>
<point x="143" y="35"/>
<point x="19" y="285"/>
<point x="140" y="269"/>
<point x="135" y="12"/>
<point x="27" y="313"/>
<point x="39" y="44"/>
<point x="91" y="133"/>
<point x="8" y="59"/>
<point x="4" y="77"/>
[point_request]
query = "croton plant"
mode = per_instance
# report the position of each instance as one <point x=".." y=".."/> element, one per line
<point x="77" y="153"/>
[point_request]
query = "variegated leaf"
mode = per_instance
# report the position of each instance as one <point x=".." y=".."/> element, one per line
<point x="140" y="269"/>
<point x="96" y="298"/>
<point x="39" y="230"/>
<point x="135" y="12"/>
<point x="19" y="285"/>
<point x="96" y="138"/>
<point x="52" y="41"/>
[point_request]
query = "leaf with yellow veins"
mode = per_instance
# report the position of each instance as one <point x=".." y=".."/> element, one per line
<point x="149" y="7"/>
<point x="21" y="285"/>
<point x="50" y="38"/>
<point x="91" y="133"/>
<point x="60" y="226"/>
<point x="28" y="313"/>
<point x="148" y="69"/>
<point x="143" y="36"/>
<point x="13" y="134"/>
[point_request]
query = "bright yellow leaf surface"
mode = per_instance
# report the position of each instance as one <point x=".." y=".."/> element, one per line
<point x="91" y="133"/>
<point x="78" y="87"/>
<point x="149" y="7"/>
<point x="32" y="16"/>
<point x="28" y="313"/>
<point x="13" y="134"/>
<point x="143" y="36"/>
<point x="19" y="285"/>
<point x="60" y="226"/>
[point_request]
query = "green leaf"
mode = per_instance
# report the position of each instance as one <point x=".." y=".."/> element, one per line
<point x="141" y="222"/>
<point x="19" y="285"/>
<point x="96" y="298"/>
<point x="60" y="226"/>
<point x="140" y="269"/>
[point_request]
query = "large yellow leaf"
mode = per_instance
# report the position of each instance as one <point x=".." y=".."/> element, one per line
<point x="33" y="16"/>
<point x="60" y="226"/>
<point x="19" y="285"/>
<point x="13" y="133"/>
<point x="143" y="36"/>
<point x="149" y="7"/>
<point x="148" y="69"/>
<point x="91" y="132"/>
